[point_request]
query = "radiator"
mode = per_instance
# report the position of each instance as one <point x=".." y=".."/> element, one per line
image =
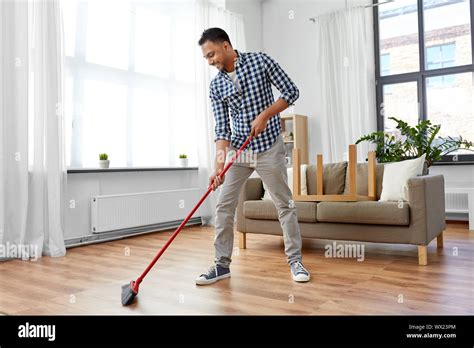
<point x="124" y="211"/>
<point x="456" y="202"/>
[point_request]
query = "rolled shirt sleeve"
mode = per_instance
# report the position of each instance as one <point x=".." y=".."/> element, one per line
<point x="280" y="79"/>
<point x="221" y="116"/>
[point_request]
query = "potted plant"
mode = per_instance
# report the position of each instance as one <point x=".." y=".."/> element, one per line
<point x="183" y="160"/>
<point x="104" y="160"/>
<point x="412" y="142"/>
<point x="290" y="136"/>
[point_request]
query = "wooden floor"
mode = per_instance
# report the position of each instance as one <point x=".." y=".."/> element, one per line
<point x="389" y="281"/>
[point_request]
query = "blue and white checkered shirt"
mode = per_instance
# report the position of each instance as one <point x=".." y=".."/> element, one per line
<point x="256" y="72"/>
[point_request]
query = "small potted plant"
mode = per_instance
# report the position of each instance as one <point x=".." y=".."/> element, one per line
<point x="183" y="160"/>
<point x="290" y="137"/>
<point x="104" y="160"/>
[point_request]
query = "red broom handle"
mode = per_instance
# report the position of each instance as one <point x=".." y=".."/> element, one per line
<point x="170" y="240"/>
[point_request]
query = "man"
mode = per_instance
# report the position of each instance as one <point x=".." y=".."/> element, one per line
<point x="243" y="88"/>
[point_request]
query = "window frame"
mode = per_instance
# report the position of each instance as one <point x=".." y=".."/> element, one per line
<point x="419" y="76"/>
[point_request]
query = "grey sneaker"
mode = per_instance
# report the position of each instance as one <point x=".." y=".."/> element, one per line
<point x="214" y="274"/>
<point x="298" y="272"/>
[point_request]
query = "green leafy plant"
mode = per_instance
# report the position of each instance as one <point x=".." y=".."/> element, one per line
<point x="183" y="156"/>
<point x="103" y="157"/>
<point x="414" y="142"/>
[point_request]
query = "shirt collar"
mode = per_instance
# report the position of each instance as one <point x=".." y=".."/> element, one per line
<point x="239" y="61"/>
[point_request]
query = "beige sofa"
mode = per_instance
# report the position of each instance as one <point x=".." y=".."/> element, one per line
<point x="416" y="222"/>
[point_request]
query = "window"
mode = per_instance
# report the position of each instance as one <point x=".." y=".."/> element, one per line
<point x="457" y="115"/>
<point x="385" y="70"/>
<point x="385" y="64"/>
<point x="447" y="32"/>
<point x="400" y="99"/>
<point x="425" y="66"/>
<point x="130" y="82"/>
<point x="438" y="57"/>
<point x="398" y="34"/>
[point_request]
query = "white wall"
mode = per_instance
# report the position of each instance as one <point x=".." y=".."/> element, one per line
<point x="251" y="10"/>
<point x="455" y="175"/>
<point x="292" y="43"/>
<point x="81" y="187"/>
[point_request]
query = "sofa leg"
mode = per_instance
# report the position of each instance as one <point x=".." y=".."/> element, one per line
<point x="439" y="240"/>
<point x="422" y="255"/>
<point x="242" y="240"/>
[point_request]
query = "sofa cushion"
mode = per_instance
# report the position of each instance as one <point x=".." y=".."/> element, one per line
<point x="396" y="176"/>
<point x="362" y="177"/>
<point x="334" y="176"/>
<point x="266" y="210"/>
<point x="365" y="212"/>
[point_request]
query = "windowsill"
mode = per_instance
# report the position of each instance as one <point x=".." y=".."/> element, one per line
<point x="452" y="163"/>
<point x="126" y="169"/>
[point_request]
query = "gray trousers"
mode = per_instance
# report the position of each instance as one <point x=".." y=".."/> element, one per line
<point x="271" y="166"/>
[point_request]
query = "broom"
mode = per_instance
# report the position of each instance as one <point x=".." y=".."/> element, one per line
<point x="130" y="291"/>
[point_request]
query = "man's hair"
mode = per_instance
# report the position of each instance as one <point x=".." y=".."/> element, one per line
<point x="214" y="35"/>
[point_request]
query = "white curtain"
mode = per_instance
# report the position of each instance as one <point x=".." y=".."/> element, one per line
<point x="209" y="15"/>
<point x="344" y="83"/>
<point x="32" y="161"/>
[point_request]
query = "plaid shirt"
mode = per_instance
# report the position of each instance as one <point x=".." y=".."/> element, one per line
<point x="256" y="72"/>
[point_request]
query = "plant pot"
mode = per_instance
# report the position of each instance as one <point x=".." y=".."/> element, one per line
<point x="104" y="164"/>
<point x="426" y="170"/>
<point x="183" y="162"/>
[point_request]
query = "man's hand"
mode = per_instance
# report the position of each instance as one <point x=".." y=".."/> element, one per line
<point x="259" y="125"/>
<point x="215" y="180"/>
